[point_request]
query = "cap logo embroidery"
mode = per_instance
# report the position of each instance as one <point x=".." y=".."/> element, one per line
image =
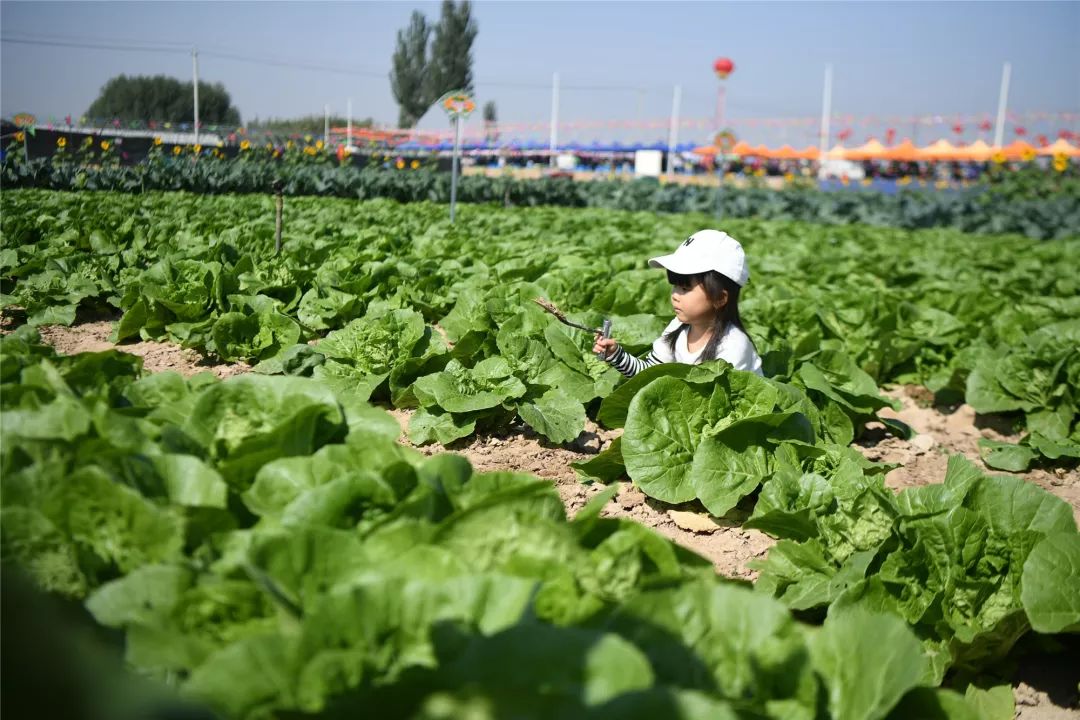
<point x="688" y="241"/>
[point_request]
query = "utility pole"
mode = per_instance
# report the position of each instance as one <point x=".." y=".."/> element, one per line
<point x="673" y="133"/>
<point x="195" y="73"/>
<point x="554" y="139"/>
<point x="826" y="113"/>
<point x="1003" y="101"/>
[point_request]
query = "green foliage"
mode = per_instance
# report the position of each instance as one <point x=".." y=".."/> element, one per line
<point x="162" y="98"/>
<point x="1031" y="182"/>
<point x="408" y="78"/>
<point x="264" y="545"/>
<point x="423" y="73"/>
<point x="313" y="124"/>
<point x="450" y="67"/>
<point x="396" y="296"/>
<point x="490" y="118"/>
<point x="327" y="570"/>
<point x="966" y="562"/>
<point x="1047" y="217"/>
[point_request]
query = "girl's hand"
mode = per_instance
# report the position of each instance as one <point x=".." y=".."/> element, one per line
<point x="608" y="346"/>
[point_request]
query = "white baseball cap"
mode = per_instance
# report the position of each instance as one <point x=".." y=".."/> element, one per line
<point x="707" y="250"/>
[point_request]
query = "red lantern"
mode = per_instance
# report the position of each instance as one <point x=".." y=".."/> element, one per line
<point x="1020" y="130"/>
<point x="1065" y="134"/>
<point x="844" y="134"/>
<point x="723" y="67"/>
<point x="958" y="128"/>
<point x="890" y="135"/>
<point x="985" y="126"/>
<point x="1042" y="140"/>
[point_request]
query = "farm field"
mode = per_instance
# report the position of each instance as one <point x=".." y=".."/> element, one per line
<point x="829" y="485"/>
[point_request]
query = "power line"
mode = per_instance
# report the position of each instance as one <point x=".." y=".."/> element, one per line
<point x="186" y="49"/>
<point x="78" y="38"/>
<point x="209" y="51"/>
<point x="288" y="64"/>
<point x="90" y="46"/>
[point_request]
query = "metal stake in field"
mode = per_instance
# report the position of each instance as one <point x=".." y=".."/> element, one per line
<point x="458" y="106"/>
<point x="279" y="211"/>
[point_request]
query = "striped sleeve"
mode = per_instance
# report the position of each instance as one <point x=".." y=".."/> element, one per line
<point x="629" y="365"/>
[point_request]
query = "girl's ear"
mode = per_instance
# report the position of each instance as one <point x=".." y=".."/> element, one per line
<point x="722" y="302"/>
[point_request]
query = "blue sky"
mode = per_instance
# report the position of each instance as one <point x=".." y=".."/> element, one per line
<point x="616" y="60"/>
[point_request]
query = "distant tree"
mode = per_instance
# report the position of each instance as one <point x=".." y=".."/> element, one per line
<point x="159" y="97"/>
<point x="410" y="65"/>
<point x="307" y="124"/>
<point x="451" y="50"/>
<point x="421" y="75"/>
<point x="490" y="118"/>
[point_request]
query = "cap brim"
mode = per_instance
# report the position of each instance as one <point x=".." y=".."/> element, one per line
<point x="675" y="264"/>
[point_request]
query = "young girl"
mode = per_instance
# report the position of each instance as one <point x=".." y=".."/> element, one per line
<point x="706" y="274"/>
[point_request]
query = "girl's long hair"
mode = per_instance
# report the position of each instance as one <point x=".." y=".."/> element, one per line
<point x="714" y="284"/>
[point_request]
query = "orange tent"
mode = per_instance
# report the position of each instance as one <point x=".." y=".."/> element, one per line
<point x="742" y="148"/>
<point x="760" y="151"/>
<point x="904" y="152"/>
<point x="941" y="150"/>
<point x="977" y="151"/>
<point x="838" y="152"/>
<point x="1060" y="147"/>
<point x="785" y="152"/>
<point x="870" y="151"/>
<point x="705" y="150"/>
<point x="808" y="153"/>
<point x="1017" y="150"/>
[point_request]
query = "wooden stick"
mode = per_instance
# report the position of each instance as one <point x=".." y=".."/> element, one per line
<point x="561" y="316"/>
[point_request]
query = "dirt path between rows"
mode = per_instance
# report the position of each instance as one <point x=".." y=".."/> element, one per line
<point x="1042" y="693"/>
<point x="157" y="356"/>
<point x="941" y="431"/>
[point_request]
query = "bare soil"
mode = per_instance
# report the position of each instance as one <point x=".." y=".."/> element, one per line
<point x="722" y="540"/>
<point x="1043" y="689"/>
<point x="948" y="430"/>
<point x="157" y="356"/>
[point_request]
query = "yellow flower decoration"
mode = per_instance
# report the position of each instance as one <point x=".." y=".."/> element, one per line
<point x="104" y="144"/>
<point x="1028" y="155"/>
<point x="270" y="147"/>
<point x="177" y="150"/>
<point x="998" y="158"/>
<point x="61" y="142"/>
<point x="788" y="177"/>
<point x="1061" y="163"/>
<point x="309" y="150"/>
<point x="906" y="180"/>
<point x="866" y="182"/>
<point x="157" y="140"/>
<point x="20" y="136"/>
<point x="290" y="145"/>
<point x="198" y="149"/>
<point x="941" y="184"/>
<point x="400" y="164"/>
<point x="415" y="164"/>
<point x="319" y="144"/>
<point x="307" y="138"/>
<point x="245" y="144"/>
